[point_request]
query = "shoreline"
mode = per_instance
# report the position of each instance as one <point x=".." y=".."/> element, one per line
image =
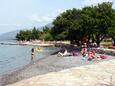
<point x="37" y="43"/>
<point x="43" y="66"/>
<point x="51" y="63"/>
<point x="88" y="75"/>
<point x="32" y="44"/>
<point x="4" y="77"/>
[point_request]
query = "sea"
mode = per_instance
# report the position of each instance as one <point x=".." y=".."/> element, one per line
<point x="13" y="57"/>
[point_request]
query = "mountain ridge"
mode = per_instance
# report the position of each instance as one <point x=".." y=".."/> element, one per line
<point x="12" y="34"/>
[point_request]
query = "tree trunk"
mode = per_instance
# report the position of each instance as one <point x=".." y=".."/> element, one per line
<point x="89" y="38"/>
<point x="98" y="43"/>
<point x="72" y="41"/>
<point x="113" y="42"/>
<point x="93" y="39"/>
<point x="99" y="38"/>
<point x="77" y="42"/>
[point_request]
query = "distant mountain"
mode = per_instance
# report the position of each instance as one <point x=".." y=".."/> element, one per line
<point x="11" y="35"/>
<point x="49" y="25"/>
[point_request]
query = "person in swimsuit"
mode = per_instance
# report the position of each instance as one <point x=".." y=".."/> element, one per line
<point x="32" y="54"/>
<point x="92" y="55"/>
<point x="84" y="50"/>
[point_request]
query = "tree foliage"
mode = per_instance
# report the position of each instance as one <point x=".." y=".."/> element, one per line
<point x="91" y="23"/>
<point x="94" y="22"/>
<point x="27" y="35"/>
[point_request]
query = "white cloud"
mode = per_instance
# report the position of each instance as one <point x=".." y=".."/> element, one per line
<point x="10" y="25"/>
<point x="58" y="11"/>
<point x="46" y="18"/>
<point x="41" y="19"/>
<point x="94" y="2"/>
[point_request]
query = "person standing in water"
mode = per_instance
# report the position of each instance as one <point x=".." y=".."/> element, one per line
<point x="32" y="54"/>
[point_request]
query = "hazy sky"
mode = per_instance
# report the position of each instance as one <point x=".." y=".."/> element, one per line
<point x="19" y="14"/>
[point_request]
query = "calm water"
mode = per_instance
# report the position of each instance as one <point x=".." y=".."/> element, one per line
<point x="16" y="56"/>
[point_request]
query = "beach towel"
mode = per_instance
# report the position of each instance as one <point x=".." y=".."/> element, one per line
<point x="103" y="56"/>
<point x="74" y="54"/>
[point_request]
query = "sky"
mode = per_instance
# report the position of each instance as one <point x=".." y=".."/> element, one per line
<point x="23" y="14"/>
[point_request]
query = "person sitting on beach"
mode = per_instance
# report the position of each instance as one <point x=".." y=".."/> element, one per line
<point x="92" y="55"/>
<point x="64" y="54"/>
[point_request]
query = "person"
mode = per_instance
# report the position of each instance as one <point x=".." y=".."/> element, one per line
<point x="92" y="55"/>
<point x="63" y="54"/>
<point x="84" y="50"/>
<point x="32" y="54"/>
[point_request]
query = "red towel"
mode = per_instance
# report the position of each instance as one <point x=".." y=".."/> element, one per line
<point x="103" y="56"/>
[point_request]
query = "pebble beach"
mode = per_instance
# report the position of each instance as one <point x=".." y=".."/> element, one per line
<point x="44" y="66"/>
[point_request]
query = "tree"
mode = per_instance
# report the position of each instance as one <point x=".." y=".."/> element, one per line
<point x="92" y="23"/>
<point x="103" y="18"/>
<point x="23" y="35"/>
<point x="67" y="26"/>
<point x="112" y="29"/>
<point x="97" y="20"/>
<point x="28" y="35"/>
<point x="46" y="34"/>
<point x="35" y="33"/>
<point x="112" y="35"/>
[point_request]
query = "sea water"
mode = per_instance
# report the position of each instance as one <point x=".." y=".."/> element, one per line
<point x="15" y="56"/>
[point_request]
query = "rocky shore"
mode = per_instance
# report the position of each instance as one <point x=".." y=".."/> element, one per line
<point x="50" y="65"/>
<point x="53" y="65"/>
<point x="99" y="74"/>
